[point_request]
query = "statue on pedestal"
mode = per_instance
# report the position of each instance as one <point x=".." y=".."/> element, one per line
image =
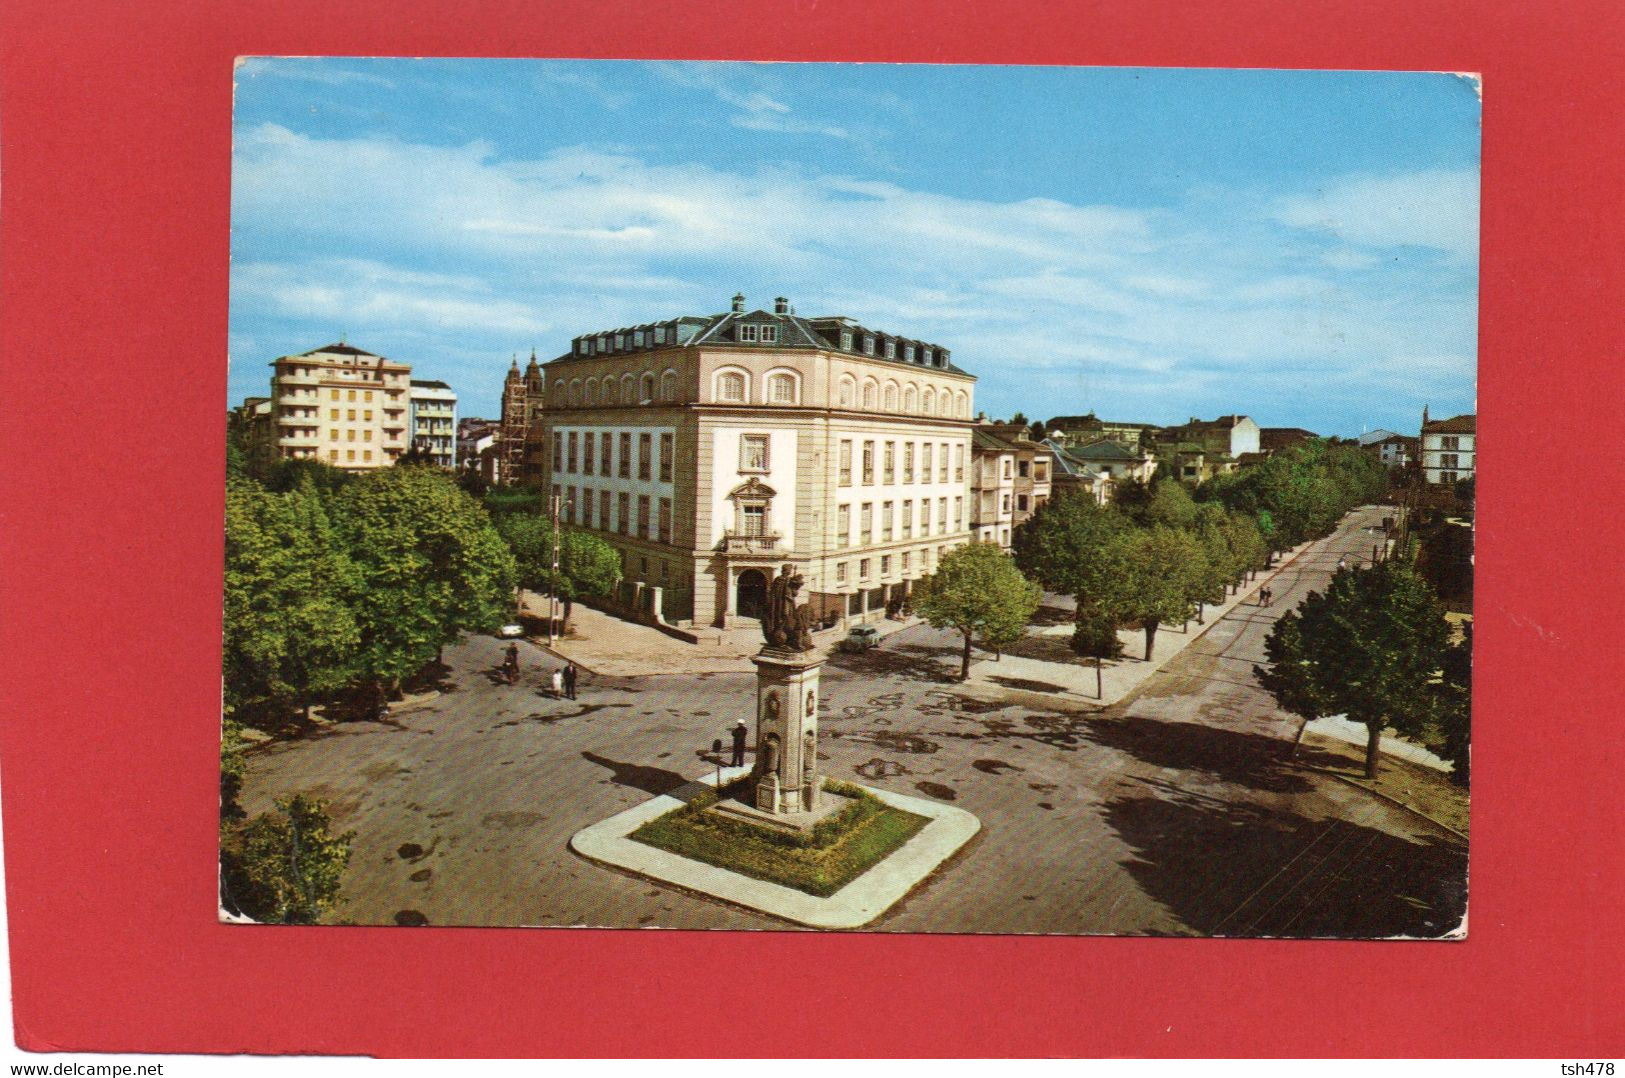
<point x="784" y="624"/>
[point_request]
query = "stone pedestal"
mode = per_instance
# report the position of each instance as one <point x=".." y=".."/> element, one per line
<point x="786" y="772"/>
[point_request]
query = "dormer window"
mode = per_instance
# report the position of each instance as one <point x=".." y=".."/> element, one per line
<point x="620" y="341"/>
<point x="891" y="349"/>
<point x="603" y="345"/>
<point x="846" y="340"/>
<point x="868" y="344"/>
<point x="747" y="332"/>
<point x="770" y="334"/>
<point x="908" y="353"/>
<point x="637" y="339"/>
<point x="583" y="347"/>
<point x="660" y="334"/>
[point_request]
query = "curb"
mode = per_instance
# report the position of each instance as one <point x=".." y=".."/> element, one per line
<point x="1396" y="802"/>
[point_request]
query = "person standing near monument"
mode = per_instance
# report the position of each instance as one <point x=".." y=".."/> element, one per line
<point x="570" y="680"/>
<point x="738" y="759"/>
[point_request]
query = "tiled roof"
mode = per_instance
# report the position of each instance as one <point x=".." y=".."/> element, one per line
<point x="982" y="439"/>
<point x="1461" y="424"/>
<point x="1105" y="449"/>
<point x="429" y="384"/>
<point x="342" y="350"/>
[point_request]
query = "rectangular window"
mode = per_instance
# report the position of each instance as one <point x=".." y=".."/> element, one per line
<point x="349" y="454"/>
<point x="660" y="334"/>
<point x="643" y="516"/>
<point x="586" y="504"/>
<point x="637" y="339"/>
<point x="905" y="561"/>
<point x="1005" y="472"/>
<point x="350" y="415"/>
<point x="908" y="462"/>
<point x="1006" y="503"/>
<point x="645" y="451"/>
<point x="863" y="568"/>
<point x="623" y="512"/>
<point x="333" y="414"/>
<point x="558" y="451"/>
<point x="868" y="344"/>
<point x="890" y="469"/>
<point x="866" y="523"/>
<point x="868" y="464"/>
<point x="351" y="398"/>
<point x="840" y="572"/>
<point x="942" y="464"/>
<point x="770" y="334"/>
<point x="620" y="341"/>
<point x="959" y="514"/>
<point x="1040" y="471"/>
<point x="333" y="455"/>
<point x="603" y="510"/>
<point x="667" y="447"/>
<point x="885" y="564"/>
<point x="587" y="443"/>
<point x="925" y="462"/>
<point x="1021" y="502"/>
<point x="753" y="453"/>
<point x="908" y="518"/>
<point x="1449" y="443"/>
<point x="624" y="465"/>
<point x="665" y="520"/>
<point x="366" y="456"/>
<point x="886" y="521"/>
<point x="349" y="435"/>
<point x="333" y="435"/>
<point x="1022" y="469"/>
<point x="753" y="519"/>
<point x="925" y="517"/>
<point x="959" y="463"/>
<point x="891" y="349"/>
<point x="844" y="469"/>
<point x="846" y="340"/>
<point x="366" y="435"/>
<point x="335" y="396"/>
<point x="747" y="332"/>
<point x="942" y="515"/>
<point x="908" y="353"/>
<point x="843" y="525"/>
<point x="572" y="443"/>
<point x="604" y="453"/>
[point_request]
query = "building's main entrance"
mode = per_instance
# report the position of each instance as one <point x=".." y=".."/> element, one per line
<point x="750" y="597"/>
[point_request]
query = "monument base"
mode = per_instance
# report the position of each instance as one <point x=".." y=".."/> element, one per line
<point x="826" y="805"/>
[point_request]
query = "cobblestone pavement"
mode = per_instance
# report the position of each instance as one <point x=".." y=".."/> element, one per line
<point x="1170" y="813"/>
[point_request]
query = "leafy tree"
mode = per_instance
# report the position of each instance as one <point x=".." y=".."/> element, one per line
<point x="1371" y="648"/>
<point x="1170" y="505"/>
<point x="1220" y="564"/>
<point x="588" y="566"/>
<point x="1019" y="417"/>
<point x="979" y="591"/>
<point x="290" y="633"/>
<point x="431" y="565"/>
<point x="1036" y="431"/>
<point x="232" y="767"/>
<point x="417" y="456"/>
<point x="1067" y="546"/>
<point x="473" y="481"/>
<point x="1132" y="497"/>
<point x="285" y="867"/>
<point x="1163" y="573"/>
<point x="1453" y="719"/>
<point x="1246" y="542"/>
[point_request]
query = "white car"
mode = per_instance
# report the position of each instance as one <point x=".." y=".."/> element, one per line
<point x="862" y="638"/>
<point x="507" y="632"/>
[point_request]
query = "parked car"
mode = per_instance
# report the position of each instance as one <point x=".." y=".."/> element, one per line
<point x="862" y="638"/>
<point x="510" y="631"/>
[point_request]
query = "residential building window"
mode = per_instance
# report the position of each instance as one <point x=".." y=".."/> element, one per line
<point x="349" y="454"/>
<point x="624" y="465"/>
<point x="351" y="398"/>
<point x="866" y="523"/>
<point x="753" y="453"/>
<point x="1040" y="471"/>
<point x="942" y="466"/>
<point x="731" y="387"/>
<point x="747" y="332"/>
<point x="350" y="415"/>
<point x="908" y="462"/>
<point x="665" y="520"/>
<point x="843" y="525"/>
<point x="667" y="448"/>
<point x="645" y="443"/>
<point x="844" y="467"/>
<point x="333" y="414"/>
<point x="925" y="517"/>
<point x="868" y="344"/>
<point x="335" y="396"/>
<point x="637" y="338"/>
<point x="643" y="516"/>
<point x="928" y="400"/>
<point x="869" y="389"/>
<point x="868" y="464"/>
<point x="333" y="435"/>
<point x="889" y="471"/>
<point x="1021" y="502"/>
<point x="603" y="510"/>
<point x="770" y="334"/>
<point x="1449" y="442"/>
<point x="908" y="517"/>
<point x="885" y="564"/>
<point x="668" y="390"/>
<point x="959" y="463"/>
<point x="586" y="454"/>
<point x="840" y="572"/>
<point x="905" y="561"/>
<point x="753" y="519"/>
<point x="333" y="454"/>
<point x="1022" y="469"/>
<point x="925" y="462"/>
<point x="660" y="334"/>
<point x="891" y="349"/>
<point x="1447" y="460"/>
<point x="846" y="340"/>
<point x="1005" y="471"/>
<point x="623" y="512"/>
<point x="908" y="353"/>
<point x="571" y="445"/>
<point x="558" y="451"/>
<point x="845" y="397"/>
<point x="620" y="341"/>
<point x="604" y="453"/>
<point x="886" y="520"/>
<point x="863" y="568"/>
<point x="366" y="456"/>
<point x="366" y="435"/>
<point x="959" y="514"/>
<point x="646" y="389"/>
<point x="1006" y="508"/>
<point x="781" y="389"/>
<point x="586" y="504"/>
<point x="942" y="515"/>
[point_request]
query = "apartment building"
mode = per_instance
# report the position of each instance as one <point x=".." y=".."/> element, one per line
<point x="434" y="422"/>
<point x="1449" y="448"/>
<point x="712" y="450"/>
<point x="341" y="405"/>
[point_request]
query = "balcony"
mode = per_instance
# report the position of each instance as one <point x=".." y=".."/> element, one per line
<point x="737" y="543"/>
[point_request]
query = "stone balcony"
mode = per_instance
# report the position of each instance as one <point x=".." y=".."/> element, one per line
<point x="738" y="543"/>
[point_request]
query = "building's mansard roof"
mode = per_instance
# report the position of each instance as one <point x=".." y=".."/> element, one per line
<point x="832" y="333"/>
<point x="992" y="443"/>
<point x="1105" y="449"/>
<point x="342" y="350"/>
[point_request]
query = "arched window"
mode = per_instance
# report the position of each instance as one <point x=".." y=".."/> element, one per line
<point x="945" y="403"/>
<point x="848" y="392"/>
<point x="628" y="389"/>
<point x="911" y="397"/>
<point x="731" y="386"/>
<point x="870" y="391"/>
<point x="575" y="392"/>
<point x="668" y="386"/>
<point x="646" y="388"/>
<point x="590" y="394"/>
<point x="963" y="403"/>
<point x="930" y="400"/>
<point x="783" y="388"/>
<point x="558" y="392"/>
<point x="891" y="396"/>
<point x="606" y="391"/>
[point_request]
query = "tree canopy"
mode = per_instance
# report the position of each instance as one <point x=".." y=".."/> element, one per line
<point x="977" y="590"/>
<point x="588" y="566"/>
<point x="1164" y="571"/>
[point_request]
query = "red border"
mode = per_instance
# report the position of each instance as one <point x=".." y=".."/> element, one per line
<point x="116" y="131"/>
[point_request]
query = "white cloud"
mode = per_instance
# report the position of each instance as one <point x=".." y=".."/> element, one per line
<point x="1436" y="208"/>
<point x="359" y="294"/>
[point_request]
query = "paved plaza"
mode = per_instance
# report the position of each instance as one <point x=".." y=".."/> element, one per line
<point x="1171" y="812"/>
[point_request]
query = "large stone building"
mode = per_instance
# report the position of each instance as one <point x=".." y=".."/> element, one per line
<point x="1449" y="448"/>
<point x="711" y="451"/>
<point x="434" y="422"/>
<point x="340" y="405"/>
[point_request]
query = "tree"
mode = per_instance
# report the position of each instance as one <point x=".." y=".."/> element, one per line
<point x="588" y="566"/>
<point x="1019" y="419"/>
<point x="289" y="630"/>
<point x="977" y="590"/>
<point x="1453" y="718"/>
<point x="1036" y="431"/>
<point x="1070" y="547"/>
<point x="1170" y="505"/>
<point x="431" y="566"/>
<point x="285" y="867"/>
<point x="1371" y="648"/>
<point x="1163" y="573"/>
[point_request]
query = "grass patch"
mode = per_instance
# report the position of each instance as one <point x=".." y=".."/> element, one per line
<point x="818" y="862"/>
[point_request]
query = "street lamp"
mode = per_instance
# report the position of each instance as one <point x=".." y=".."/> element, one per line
<point x="555" y="503"/>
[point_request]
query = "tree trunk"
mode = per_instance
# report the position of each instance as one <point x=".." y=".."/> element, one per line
<point x="1199" y="613"/>
<point x="1100" y="685"/>
<point x="1372" y="748"/>
<point x="964" y="661"/>
<point x="1297" y="742"/>
<point x="1150" y="637"/>
<point x="564" y="622"/>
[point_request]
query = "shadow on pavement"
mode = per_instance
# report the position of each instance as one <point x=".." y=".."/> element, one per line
<point x="905" y="660"/>
<point x="1246" y="759"/>
<point x="651" y="780"/>
<point x="1228" y="869"/>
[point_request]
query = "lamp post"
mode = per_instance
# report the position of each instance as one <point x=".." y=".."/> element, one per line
<point x="555" y="502"/>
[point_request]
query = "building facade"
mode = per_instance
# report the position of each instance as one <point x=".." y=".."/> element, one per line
<point x="1035" y="469"/>
<point x="519" y="449"/>
<point x="993" y="488"/>
<point x="434" y="422"/>
<point x="1449" y="449"/>
<point x="711" y="451"/>
<point x="340" y="405"/>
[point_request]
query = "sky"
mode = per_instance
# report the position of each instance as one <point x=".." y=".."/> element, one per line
<point x="1147" y="244"/>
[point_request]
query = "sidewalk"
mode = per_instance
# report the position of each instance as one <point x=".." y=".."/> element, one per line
<point x="1010" y="677"/>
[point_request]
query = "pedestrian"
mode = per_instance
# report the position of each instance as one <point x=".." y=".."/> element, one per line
<point x="739" y="745"/>
<point x="1265" y="595"/>
<point x="1342" y="562"/>
<point x="510" y="664"/>
<point x="558" y="685"/>
<point x="570" y="680"/>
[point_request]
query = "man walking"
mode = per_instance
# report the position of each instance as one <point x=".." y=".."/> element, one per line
<point x="739" y="745"/>
<point x="570" y="680"/>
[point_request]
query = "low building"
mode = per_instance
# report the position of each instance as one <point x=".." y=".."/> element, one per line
<point x="1372" y="437"/>
<point x="1193" y="462"/>
<point x="1227" y="436"/>
<point x="252" y="422"/>
<point x="1072" y="477"/>
<point x="341" y="405"/>
<point x="993" y="487"/>
<point x="1035" y="467"/>
<point x="1275" y="439"/>
<point x="1449" y="449"/>
<point x="434" y="422"/>
<point x="1395" y="451"/>
<point x="1114" y="459"/>
<point x="1085" y="429"/>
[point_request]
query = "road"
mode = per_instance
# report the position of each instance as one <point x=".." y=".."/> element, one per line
<point x="1171" y="813"/>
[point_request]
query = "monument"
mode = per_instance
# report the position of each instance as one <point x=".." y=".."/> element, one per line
<point x="786" y="772"/>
